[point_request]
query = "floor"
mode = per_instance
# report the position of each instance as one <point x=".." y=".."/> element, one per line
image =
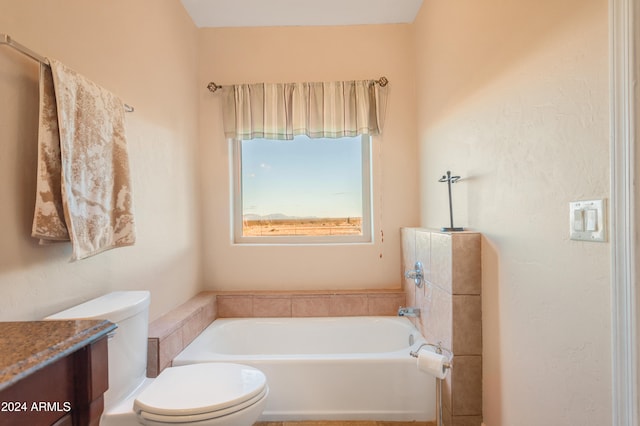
<point x="344" y="423"/>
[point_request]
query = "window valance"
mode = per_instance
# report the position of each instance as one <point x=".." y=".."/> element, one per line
<point x="318" y="110"/>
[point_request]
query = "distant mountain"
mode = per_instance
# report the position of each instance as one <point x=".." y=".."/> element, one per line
<point x="275" y="216"/>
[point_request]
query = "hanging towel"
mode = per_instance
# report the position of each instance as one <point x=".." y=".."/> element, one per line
<point x="48" y="220"/>
<point x="84" y="187"/>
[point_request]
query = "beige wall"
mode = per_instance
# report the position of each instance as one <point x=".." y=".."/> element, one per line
<point x="248" y="55"/>
<point x="514" y="98"/>
<point x="146" y="52"/>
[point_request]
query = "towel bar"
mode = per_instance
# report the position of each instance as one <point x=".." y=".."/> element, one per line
<point x="6" y="39"/>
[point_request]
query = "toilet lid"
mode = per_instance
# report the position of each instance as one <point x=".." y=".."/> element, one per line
<point x="190" y="418"/>
<point x="201" y="388"/>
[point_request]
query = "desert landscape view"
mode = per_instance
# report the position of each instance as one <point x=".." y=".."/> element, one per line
<point x="302" y="227"/>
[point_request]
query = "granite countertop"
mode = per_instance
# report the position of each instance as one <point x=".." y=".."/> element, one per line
<point x="28" y="346"/>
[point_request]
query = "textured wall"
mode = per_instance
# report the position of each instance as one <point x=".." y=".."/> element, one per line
<point x="145" y="52"/>
<point x="513" y="96"/>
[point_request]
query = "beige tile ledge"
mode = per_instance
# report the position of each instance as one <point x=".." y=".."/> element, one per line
<point x="173" y="331"/>
<point x="309" y="304"/>
<point x="176" y="318"/>
<point x="307" y="292"/>
<point x="439" y="231"/>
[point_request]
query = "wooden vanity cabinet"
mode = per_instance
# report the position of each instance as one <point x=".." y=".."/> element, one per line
<point x="66" y="391"/>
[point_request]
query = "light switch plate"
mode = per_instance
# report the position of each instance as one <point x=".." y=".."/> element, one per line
<point x="587" y="220"/>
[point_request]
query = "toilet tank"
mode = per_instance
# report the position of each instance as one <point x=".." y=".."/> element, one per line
<point x="128" y="348"/>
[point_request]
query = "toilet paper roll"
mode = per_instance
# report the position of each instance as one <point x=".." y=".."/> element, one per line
<point x="432" y="363"/>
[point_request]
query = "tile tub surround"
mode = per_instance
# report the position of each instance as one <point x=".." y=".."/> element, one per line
<point x="172" y="332"/>
<point x="310" y="303"/>
<point x="450" y="302"/>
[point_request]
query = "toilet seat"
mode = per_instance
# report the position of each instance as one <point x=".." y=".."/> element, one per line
<point x="182" y="419"/>
<point x="199" y="392"/>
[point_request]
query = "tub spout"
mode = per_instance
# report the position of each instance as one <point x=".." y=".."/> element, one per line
<point x="408" y="312"/>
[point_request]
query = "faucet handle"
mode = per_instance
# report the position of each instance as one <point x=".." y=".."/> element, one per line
<point x="416" y="274"/>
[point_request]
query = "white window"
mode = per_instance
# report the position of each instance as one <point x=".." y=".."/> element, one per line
<point x="302" y="191"/>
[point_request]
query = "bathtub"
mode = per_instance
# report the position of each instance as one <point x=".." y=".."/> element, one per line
<point x="346" y="368"/>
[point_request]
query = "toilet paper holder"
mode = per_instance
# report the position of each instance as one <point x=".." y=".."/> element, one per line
<point x="447" y="365"/>
<point x="439" y="350"/>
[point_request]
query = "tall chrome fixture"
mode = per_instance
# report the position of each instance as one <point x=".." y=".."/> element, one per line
<point x="450" y="179"/>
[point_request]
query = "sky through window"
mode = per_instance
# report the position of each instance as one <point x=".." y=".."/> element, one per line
<point x="303" y="178"/>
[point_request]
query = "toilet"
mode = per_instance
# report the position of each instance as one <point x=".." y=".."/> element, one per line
<point x="206" y="394"/>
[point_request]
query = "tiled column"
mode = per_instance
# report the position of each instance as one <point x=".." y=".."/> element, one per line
<point x="451" y="312"/>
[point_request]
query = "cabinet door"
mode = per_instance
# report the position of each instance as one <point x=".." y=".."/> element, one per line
<point x="42" y="398"/>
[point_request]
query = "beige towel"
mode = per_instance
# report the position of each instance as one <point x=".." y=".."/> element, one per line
<point x="83" y="188"/>
<point x="48" y="220"/>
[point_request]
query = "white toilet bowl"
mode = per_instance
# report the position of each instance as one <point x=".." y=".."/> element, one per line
<point x="208" y="394"/>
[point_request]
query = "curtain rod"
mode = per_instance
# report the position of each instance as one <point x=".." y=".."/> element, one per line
<point x="213" y="87"/>
<point x="6" y="39"/>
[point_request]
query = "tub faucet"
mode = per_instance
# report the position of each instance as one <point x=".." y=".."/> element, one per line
<point x="408" y="312"/>
<point x="416" y="274"/>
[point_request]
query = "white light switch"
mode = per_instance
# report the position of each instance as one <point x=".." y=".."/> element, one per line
<point x="592" y="220"/>
<point x="578" y="220"/>
<point x="587" y="220"/>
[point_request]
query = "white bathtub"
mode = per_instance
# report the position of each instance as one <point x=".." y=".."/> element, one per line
<point x="347" y="368"/>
